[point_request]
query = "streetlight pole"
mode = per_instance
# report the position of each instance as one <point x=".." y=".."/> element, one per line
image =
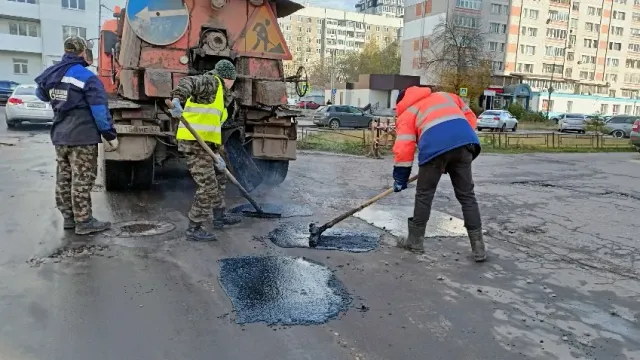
<point x="550" y="89"/>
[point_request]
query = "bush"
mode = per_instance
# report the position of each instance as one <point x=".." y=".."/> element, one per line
<point x="596" y="124"/>
<point x="477" y="109"/>
<point x="534" y="117"/>
<point x="517" y="110"/>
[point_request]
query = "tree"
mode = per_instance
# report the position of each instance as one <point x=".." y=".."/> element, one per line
<point x="457" y="58"/>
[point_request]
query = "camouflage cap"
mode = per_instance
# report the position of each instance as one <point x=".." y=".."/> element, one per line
<point x="75" y="44"/>
<point x="225" y="69"/>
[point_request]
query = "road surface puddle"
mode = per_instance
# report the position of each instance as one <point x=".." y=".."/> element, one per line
<point x="282" y="290"/>
<point x="287" y="210"/>
<point x="289" y="235"/>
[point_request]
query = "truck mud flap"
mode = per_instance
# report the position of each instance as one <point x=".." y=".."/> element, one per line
<point x="242" y="165"/>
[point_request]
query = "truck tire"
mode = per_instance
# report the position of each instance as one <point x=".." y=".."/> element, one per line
<point x="143" y="173"/>
<point x="117" y="175"/>
<point x="273" y="171"/>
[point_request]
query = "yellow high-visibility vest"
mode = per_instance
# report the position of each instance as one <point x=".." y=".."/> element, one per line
<point x="205" y="119"/>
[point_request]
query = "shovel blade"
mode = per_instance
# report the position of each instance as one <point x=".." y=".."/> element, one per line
<point x="242" y="165"/>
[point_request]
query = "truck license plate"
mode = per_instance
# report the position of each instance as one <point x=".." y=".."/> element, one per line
<point x="133" y="129"/>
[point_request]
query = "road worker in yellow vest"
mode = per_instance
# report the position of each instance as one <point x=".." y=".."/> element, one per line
<point x="206" y="99"/>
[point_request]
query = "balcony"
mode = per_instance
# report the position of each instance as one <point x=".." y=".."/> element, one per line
<point x="19" y="10"/>
<point x="17" y="43"/>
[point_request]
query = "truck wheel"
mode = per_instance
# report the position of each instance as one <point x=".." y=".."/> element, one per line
<point x="143" y="173"/>
<point x="117" y="175"/>
<point x="273" y="171"/>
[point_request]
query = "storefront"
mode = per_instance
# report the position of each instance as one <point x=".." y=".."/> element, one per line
<point x="520" y="93"/>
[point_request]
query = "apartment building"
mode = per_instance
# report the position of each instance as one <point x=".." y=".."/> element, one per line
<point x="587" y="51"/>
<point x="389" y="8"/>
<point x="32" y="33"/>
<point x="313" y="33"/>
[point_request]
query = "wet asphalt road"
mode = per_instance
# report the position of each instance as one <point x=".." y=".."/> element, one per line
<point x="561" y="281"/>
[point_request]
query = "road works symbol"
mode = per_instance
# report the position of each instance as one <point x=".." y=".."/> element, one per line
<point x="262" y="36"/>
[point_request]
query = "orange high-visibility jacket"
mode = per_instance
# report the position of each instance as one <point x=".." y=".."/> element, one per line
<point x="435" y="122"/>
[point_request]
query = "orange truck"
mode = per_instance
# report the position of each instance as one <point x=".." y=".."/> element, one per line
<point x="150" y="45"/>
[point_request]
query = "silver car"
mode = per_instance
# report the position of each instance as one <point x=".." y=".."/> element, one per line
<point x="24" y="106"/>
<point x="497" y="120"/>
<point x="573" y="122"/>
<point x="620" y="126"/>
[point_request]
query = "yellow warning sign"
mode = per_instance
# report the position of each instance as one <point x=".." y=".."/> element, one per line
<point x="262" y="37"/>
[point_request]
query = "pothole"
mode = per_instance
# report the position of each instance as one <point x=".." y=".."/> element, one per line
<point x="140" y="228"/>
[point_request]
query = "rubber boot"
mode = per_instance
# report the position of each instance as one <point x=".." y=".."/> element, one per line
<point x="222" y="219"/>
<point x="69" y="223"/>
<point x="195" y="232"/>
<point x="415" y="240"/>
<point x="477" y="245"/>
<point x="91" y="225"/>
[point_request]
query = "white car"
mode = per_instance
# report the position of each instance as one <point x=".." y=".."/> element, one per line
<point x="24" y="106"/>
<point x="497" y="120"/>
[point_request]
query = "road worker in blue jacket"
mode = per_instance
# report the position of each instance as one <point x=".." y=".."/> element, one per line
<point x="81" y="119"/>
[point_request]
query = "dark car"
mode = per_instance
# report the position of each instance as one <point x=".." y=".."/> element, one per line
<point x="6" y="89"/>
<point x="336" y="116"/>
<point x="308" y="105"/>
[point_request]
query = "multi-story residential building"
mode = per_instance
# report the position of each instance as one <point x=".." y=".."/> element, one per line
<point x="32" y="33"/>
<point x="586" y="51"/>
<point x="313" y="34"/>
<point x="390" y="8"/>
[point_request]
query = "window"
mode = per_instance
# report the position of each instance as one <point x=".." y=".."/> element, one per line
<point x="556" y="15"/>
<point x="68" y="31"/>
<point x="74" y="4"/>
<point x="531" y="14"/>
<point x="613" y="62"/>
<point x="499" y="9"/>
<point x="552" y="69"/>
<point x="590" y="43"/>
<point x="588" y="59"/>
<point x="604" y="108"/>
<point x="527" y="50"/>
<point x="20" y="66"/>
<point x="593" y="27"/>
<point x="25" y="1"/>
<point x="616" y="108"/>
<point x="570" y="56"/>
<point x="495" y="46"/>
<point x="617" y="30"/>
<point x="467" y="21"/>
<point x="528" y="31"/>
<point x="618" y="15"/>
<point x="497" y="65"/>
<point x="627" y="109"/>
<point x="635" y="16"/>
<point x="635" y="32"/>
<point x="569" y="106"/>
<point x="587" y="75"/>
<point x="23" y="29"/>
<point x="525" y="68"/>
<point x="612" y="93"/>
<point x="594" y="11"/>
<point x="469" y="4"/>
<point x="575" y="6"/>
<point x="615" y="46"/>
<point x="634" y="48"/>
<point x="620" y="1"/>
<point x="497" y="28"/>
<point x="545" y="105"/>
<point x="568" y="72"/>
<point x="633" y="64"/>
<point x="554" y="51"/>
<point x="574" y="23"/>
<point x="611" y="78"/>
<point x="556" y="33"/>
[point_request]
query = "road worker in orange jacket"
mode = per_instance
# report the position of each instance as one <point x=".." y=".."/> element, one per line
<point x="443" y="128"/>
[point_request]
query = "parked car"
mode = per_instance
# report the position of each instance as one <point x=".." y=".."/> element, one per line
<point x="573" y="122"/>
<point x="635" y="135"/>
<point x="619" y="126"/>
<point x="559" y="117"/>
<point x="24" y="106"/>
<point x="336" y="116"/>
<point x="6" y="88"/>
<point x="308" y="105"/>
<point x="497" y="120"/>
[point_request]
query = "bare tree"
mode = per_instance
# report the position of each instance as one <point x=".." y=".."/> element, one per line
<point x="456" y="58"/>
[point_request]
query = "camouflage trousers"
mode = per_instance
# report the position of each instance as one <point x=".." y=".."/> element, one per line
<point x="211" y="181"/>
<point x="76" y="172"/>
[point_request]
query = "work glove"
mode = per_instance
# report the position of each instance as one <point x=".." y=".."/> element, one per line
<point x="401" y="177"/>
<point x="220" y="164"/>
<point x="110" y="146"/>
<point x="177" y="110"/>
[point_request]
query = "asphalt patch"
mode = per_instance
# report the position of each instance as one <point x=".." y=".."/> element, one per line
<point x="282" y="290"/>
<point x="286" y="210"/>
<point x="289" y="235"/>
<point x="140" y="228"/>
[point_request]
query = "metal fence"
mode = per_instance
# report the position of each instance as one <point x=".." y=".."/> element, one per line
<point x="552" y="140"/>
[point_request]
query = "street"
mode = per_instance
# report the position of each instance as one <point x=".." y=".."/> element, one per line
<point x="562" y="280"/>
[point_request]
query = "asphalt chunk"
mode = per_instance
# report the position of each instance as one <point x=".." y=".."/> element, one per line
<point x="282" y="290"/>
<point x="288" y="235"/>
<point x="286" y="210"/>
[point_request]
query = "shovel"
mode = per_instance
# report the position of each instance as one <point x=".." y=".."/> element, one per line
<point x="315" y="231"/>
<point x="259" y="213"/>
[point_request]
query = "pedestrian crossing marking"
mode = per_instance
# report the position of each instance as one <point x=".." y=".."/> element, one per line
<point x="393" y="219"/>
